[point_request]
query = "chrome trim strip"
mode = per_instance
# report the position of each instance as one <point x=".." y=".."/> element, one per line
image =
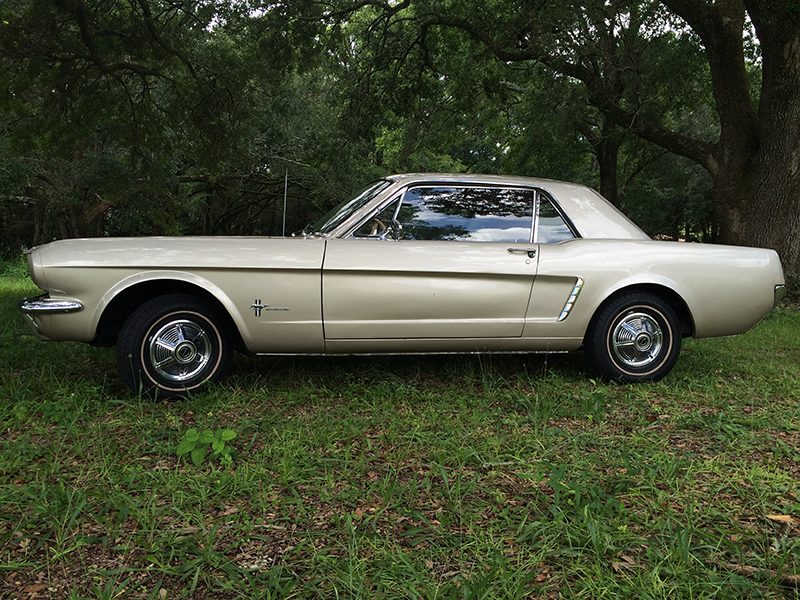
<point x="780" y="292"/>
<point x="414" y="353"/>
<point x="537" y="199"/>
<point x="576" y="291"/>
<point x="43" y="304"/>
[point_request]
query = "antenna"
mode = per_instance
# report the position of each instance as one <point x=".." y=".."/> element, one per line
<point x="285" y="194"/>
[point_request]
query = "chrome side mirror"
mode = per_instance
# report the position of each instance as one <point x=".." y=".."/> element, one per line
<point x="395" y="230"/>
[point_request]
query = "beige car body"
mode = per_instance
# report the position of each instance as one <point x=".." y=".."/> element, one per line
<point x="341" y="294"/>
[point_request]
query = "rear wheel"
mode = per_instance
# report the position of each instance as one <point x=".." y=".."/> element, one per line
<point x="635" y="337"/>
<point x="173" y="345"/>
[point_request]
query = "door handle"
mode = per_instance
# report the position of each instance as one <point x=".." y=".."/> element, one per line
<point x="531" y="252"/>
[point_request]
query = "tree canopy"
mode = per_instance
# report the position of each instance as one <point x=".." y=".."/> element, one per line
<point x="133" y="117"/>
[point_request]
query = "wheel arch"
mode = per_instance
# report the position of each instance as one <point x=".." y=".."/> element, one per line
<point x="127" y="299"/>
<point x="668" y="295"/>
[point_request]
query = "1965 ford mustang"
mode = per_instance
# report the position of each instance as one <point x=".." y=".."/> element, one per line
<point x="423" y="263"/>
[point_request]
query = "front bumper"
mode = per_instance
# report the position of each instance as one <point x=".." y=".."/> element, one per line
<point x="44" y="305"/>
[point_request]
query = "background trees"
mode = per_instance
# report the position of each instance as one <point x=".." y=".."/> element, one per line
<point x="132" y="117"/>
<point x="148" y="116"/>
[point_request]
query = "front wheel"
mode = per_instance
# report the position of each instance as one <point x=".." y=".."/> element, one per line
<point x="635" y="337"/>
<point x="172" y="345"/>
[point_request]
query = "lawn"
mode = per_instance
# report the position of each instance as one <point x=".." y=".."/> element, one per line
<point x="402" y="477"/>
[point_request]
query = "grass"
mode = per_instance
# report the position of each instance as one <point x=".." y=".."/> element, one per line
<point x="417" y="477"/>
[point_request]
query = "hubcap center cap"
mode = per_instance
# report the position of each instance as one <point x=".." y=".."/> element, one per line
<point x="643" y="341"/>
<point x="185" y="352"/>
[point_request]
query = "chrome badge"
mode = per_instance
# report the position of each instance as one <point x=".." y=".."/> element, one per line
<point x="258" y="306"/>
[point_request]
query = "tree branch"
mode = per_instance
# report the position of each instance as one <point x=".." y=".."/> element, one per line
<point x="608" y="103"/>
<point x="720" y="27"/>
<point x="151" y="28"/>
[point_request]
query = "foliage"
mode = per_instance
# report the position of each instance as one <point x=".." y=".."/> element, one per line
<point x="186" y="119"/>
<point x="172" y="118"/>
<point x="200" y="445"/>
<point x="152" y="117"/>
<point x="15" y="271"/>
<point x="684" y="76"/>
<point x="595" y="402"/>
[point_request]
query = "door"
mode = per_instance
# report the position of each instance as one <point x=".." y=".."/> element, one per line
<point x="436" y="262"/>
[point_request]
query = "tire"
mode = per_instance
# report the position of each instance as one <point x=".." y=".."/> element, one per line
<point x="171" y="346"/>
<point x="635" y="337"/>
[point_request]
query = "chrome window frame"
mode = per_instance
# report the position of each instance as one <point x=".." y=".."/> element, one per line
<point x="354" y="216"/>
<point x="349" y="233"/>
<point x="540" y="193"/>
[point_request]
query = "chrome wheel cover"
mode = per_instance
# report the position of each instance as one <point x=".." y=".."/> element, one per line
<point x="179" y="350"/>
<point x="637" y="339"/>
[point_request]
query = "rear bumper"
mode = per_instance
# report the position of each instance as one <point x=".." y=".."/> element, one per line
<point x="780" y="292"/>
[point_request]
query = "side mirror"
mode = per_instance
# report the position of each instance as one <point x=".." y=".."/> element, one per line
<point x="395" y="230"/>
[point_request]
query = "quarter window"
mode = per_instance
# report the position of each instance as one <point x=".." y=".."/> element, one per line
<point x="550" y="226"/>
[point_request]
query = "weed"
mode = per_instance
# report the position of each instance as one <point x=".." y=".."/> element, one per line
<point x="16" y="270"/>
<point x="213" y="445"/>
<point x="595" y="402"/>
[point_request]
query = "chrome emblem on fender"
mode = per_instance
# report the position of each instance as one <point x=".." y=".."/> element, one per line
<point x="258" y="306"/>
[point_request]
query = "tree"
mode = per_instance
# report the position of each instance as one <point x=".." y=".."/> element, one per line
<point x="610" y="48"/>
<point x="441" y="100"/>
<point x="755" y="161"/>
<point x="156" y="116"/>
<point x="136" y="117"/>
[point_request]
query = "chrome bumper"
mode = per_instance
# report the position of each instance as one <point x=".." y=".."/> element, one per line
<point x="43" y="305"/>
<point x="780" y="292"/>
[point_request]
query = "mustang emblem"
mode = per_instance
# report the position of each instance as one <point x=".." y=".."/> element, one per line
<point x="259" y="307"/>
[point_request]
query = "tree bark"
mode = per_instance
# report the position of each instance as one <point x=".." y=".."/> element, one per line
<point x="605" y="147"/>
<point x="608" y="159"/>
<point x="775" y="188"/>
<point x="755" y="164"/>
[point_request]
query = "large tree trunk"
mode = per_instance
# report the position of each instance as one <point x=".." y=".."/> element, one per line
<point x="775" y="190"/>
<point x="605" y="147"/>
<point x="755" y="164"/>
<point x="607" y="161"/>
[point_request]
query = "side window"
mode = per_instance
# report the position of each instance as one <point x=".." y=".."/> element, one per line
<point x="550" y="226"/>
<point x="466" y="214"/>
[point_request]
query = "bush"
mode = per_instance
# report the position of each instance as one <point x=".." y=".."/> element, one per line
<point x="792" y="297"/>
<point x="15" y="270"/>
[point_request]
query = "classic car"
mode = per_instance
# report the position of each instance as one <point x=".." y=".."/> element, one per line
<point x="415" y="263"/>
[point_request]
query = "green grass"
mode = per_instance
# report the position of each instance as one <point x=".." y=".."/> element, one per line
<point x="418" y="477"/>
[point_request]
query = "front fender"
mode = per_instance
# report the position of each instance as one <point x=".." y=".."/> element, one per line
<point x="129" y="283"/>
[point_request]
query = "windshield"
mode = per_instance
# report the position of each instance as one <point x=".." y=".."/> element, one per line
<point x="340" y="214"/>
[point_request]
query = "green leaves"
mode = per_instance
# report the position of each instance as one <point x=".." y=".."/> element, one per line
<point x="207" y="444"/>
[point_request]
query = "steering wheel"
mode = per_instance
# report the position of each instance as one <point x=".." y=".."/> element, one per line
<point x="378" y="225"/>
